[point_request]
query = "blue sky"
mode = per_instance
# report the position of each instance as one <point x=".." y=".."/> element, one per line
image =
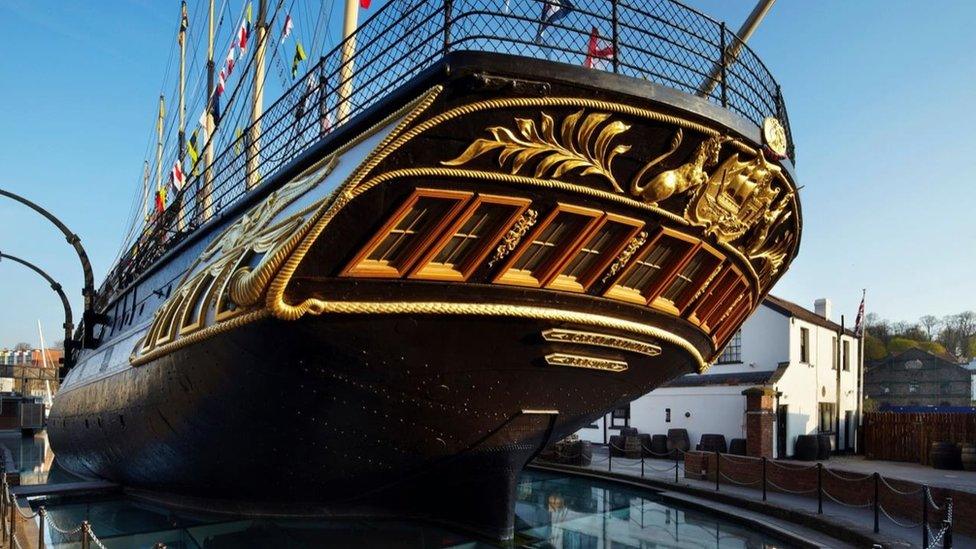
<point x="880" y="95"/>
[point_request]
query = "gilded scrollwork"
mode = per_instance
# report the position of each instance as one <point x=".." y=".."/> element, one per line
<point x="583" y="144"/>
<point x="628" y="252"/>
<point x="514" y="235"/>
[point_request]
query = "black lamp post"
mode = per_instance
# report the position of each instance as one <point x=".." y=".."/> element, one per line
<point x="68" y="324"/>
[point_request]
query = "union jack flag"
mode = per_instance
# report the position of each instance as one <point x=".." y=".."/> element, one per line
<point x="859" y="323"/>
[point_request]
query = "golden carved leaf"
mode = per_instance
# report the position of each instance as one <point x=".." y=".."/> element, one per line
<point x="584" y="145"/>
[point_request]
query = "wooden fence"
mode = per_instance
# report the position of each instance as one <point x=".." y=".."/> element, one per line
<point x="899" y="436"/>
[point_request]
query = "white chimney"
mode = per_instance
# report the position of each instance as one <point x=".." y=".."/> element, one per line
<point x="822" y="307"/>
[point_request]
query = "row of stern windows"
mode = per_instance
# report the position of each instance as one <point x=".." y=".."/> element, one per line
<point x="448" y="235"/>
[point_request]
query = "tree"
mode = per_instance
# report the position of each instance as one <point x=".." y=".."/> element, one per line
<point x="900" y="344"/>
<point x="931" y="346"/>
<point x="22" y="346"/>
<point x="874" y="349"/>
<point x="931" y="324"/>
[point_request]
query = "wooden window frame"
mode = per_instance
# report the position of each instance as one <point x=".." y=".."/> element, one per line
<point x="360" y="266"/>
<point x="546" y="271"/>
<point x="425" y="269"/>
<point x="726" y="283"/>
<point x="678" y="308"/>
<point x="621" y="293"/>
<point x="558" y="281"/>
<point x="710" y="318"/>
<point x="724" y="329"/>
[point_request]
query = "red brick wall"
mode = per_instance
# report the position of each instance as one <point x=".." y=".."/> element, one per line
<point x="901" y="499"/>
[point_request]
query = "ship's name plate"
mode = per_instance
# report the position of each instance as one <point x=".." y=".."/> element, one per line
<point x="601" y="340"/>
<point x="576" y="361"/>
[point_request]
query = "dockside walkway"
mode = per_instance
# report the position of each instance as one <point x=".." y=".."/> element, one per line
<point x="850" y="524"/>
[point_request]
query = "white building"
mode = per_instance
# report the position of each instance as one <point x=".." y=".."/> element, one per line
<point x="783" y="346"/>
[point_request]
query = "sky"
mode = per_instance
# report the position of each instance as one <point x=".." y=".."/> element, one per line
<point x="879" y="93"/>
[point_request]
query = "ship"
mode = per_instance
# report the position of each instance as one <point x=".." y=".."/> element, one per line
<point x="468" y="230"/>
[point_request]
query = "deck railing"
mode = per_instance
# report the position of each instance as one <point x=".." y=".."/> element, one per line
<point x="662" y="41"/>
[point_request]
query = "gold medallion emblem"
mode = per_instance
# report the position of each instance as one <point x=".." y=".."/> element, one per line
<point x="774" y="135"/>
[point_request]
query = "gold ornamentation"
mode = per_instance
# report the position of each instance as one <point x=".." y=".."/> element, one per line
<point x="515" y="235"/>
<point x="775" y="136"/>
<point x="628" y="252"/>
<point x="735" y="198"/>
<point x="681" y="179"/>
<point x="578" y="149"/>
<point x="576" y="361"/>
<point x="601" y="340"/>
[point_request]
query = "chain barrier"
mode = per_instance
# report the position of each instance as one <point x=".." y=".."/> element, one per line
<point x="787" y="490"/>
<point x="737" y="459"/>
<point x="63" y="531"/>
<point x="792" y="467"/>
<point x="25" y="516"/>
<point x="94" y="538"/>
<point x="847" y="479"/>
<point x="899" y="492"/>
<point x="852" y="505"/>
<point x="934" y="505"/>
<point x="909" y="526"/>
<point x="947" y="525"/>
<point x="733" y="481"/>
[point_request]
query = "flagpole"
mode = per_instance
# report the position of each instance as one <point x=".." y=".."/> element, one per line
<point x="860" y="380"/>
<point x="204" y="199"/>
<point x="348" y="51"/>
<point x="729" y="54"/>
<point x="257" y="103"/>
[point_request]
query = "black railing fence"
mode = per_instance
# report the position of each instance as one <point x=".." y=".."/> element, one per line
<point x="662" y="41"/>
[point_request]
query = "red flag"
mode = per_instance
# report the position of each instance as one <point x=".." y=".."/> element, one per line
<point x="176" y="175"/>
<point x="160" y="200"/>
<point x="229" y="63"/>
<point x="594" y="52"/>
<point x="364" y="4"/>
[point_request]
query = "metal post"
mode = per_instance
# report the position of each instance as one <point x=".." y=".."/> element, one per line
<point x="42" y="513"/>
<point x="877" y="482"/>
<point x="764" y="477"/>
<point x="85" y="531"/>
<point x="642" y="463"/>
<point x="610" y="458"/>
<point x="718" y="468"/>
<point x="448" y="4"/>
<point x="13" y="524"/>
<point x="722" y="64"/>
<point x="820" y="488"/>
<point x="925" y="517"/>
<point x="3" y="509"/>
<point x="676" y="455"/>
<point x="616" y="35"/>
<point x="947" y="524"/>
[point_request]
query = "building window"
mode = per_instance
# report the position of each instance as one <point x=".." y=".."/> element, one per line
<point x="805" y="345"/>
<point x="733" y="351"/>
<point x="833" y="353"/>
<point x="847" y="356"/>
<point x="827" y="410"/>
<point x="620" y="417"/>
<point x="652" y="268"/>
<point x="667" y="415"/>
<point x="470" y="238"/>
<point x="595" y="255"/>
<point x="535" y="260"/>
<point x="395" y="247"/>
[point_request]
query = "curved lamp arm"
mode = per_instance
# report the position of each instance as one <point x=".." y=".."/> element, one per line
<point x="68" y="325"/>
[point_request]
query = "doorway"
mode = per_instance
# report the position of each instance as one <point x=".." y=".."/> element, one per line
<point x="848" y="424"/>
<point x="782" y="412"/>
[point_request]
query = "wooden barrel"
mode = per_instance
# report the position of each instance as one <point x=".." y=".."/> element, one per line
<point x="969" y="456"/>
<point x="712" y="443"/>
<point x="632" y="447"/>
<point x="737" y="446"/>
<point x="678" y="441"/>
<point x="659" y="446"/>
<point x="945" y="455"/>
<point x="806" y="448"/>
<point x="824" y="446"/>
<point x="616" y="446"/>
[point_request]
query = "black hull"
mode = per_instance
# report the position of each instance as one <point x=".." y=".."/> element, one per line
<point x="413" y="414"/>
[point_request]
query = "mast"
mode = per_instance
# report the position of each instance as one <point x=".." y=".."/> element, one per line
<point x="159" y="145"/>
<point x="257" y="98"/>
<point x="731" y="52"/>
<point x="204" y="199"/>
<point x="181" y="151"/>
<point x="348" y="51"/>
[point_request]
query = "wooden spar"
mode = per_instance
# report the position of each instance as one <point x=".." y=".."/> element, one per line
<point x="257" y="100"/>
<point x="204" y="199"/>
<point x="731" y="52"/>
<point x="348" y="51"/>
<point x="159" y="144"/>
